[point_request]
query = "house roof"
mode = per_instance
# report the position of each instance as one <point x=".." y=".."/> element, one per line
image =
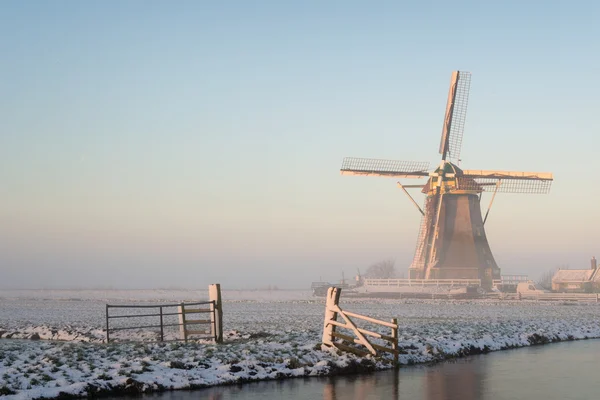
<point x="573" y="275"/>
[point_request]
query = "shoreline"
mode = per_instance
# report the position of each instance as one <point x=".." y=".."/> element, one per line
<point x="332" y="364"/>
<point x="272" y="340"/>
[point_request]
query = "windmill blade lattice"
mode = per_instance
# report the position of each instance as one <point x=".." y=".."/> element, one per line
<point x="453" y="134"/>
<point x="507" y="185"/>
<point x="374" y="166"/>
<point x="426" y="227"/>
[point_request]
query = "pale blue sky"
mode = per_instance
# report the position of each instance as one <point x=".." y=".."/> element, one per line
<point x="175" y="144"/>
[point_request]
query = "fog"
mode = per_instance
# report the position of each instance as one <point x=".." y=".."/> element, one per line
<point x="157" y="146"/>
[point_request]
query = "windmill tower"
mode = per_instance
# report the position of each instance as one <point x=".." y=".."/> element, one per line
<point x="452" y="243"/>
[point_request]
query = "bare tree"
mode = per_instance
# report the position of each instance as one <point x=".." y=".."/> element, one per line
<point x="381" y="270"/>
<point x="545" y="280"/>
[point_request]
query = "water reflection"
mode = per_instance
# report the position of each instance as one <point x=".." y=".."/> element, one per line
<point x="463" y="379"/>
<point x="363" y="387"/>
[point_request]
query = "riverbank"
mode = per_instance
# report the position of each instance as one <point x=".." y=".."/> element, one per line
<point x="275" y="340"/>
<point x="569" y="372"/>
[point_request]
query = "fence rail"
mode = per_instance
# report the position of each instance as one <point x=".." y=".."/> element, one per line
<point x="423" y="282"/>
<point x="330" y="334"/>
<point x="511" y="280"/>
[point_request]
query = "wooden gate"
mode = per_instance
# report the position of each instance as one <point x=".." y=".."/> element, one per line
<point x="190" y="326"/>
<point x="207" y="325"/>
<point x="342" y="341"/>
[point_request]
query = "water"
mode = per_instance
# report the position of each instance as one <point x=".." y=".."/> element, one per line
<point x="557" y="371"/>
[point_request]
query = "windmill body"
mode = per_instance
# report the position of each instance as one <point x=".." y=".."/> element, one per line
<point x="452" y="242"/>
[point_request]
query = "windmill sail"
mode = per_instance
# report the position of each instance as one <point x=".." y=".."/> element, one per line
<point x="425" y="238"/>
<point x="386" y="168"/>
<point x="456" y="114"/>
<point x="510" y="181"/>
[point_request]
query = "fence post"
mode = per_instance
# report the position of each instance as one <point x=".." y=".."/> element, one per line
<point x="162" y="332"/>
<point x="395" y="342"/>
<point x="333" y="298"/>
<point x="107" y="328"/>
<point x="181" y="311"/>
<point x="214" y="295"/>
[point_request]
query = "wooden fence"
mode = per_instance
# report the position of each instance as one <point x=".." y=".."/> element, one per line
<point x="331" y="335"/>
<point x="188" y="325"/>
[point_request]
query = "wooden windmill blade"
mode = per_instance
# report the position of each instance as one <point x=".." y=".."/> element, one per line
<point x="506" y="181"/>
<point x="419" y="256"/>
<point x="456" y="114"/>
<point x="385" y="168"/>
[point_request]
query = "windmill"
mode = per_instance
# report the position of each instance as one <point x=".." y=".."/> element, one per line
<point x="452" y="243"/>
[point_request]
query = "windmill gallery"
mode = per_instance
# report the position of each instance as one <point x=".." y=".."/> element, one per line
<point x="452" y="243"/>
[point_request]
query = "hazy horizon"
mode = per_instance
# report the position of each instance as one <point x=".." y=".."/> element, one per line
<point x="150" y="144"/>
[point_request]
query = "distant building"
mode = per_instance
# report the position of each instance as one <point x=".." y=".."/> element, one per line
<point x="577" y="280"/>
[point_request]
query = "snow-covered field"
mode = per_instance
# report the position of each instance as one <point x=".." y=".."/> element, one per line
<point x="268" y="335"/>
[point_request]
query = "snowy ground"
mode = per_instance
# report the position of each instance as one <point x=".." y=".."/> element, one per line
<point x="269" y="335"/>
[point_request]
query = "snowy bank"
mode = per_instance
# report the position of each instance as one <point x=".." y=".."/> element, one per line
<point x="271" y="340"/>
